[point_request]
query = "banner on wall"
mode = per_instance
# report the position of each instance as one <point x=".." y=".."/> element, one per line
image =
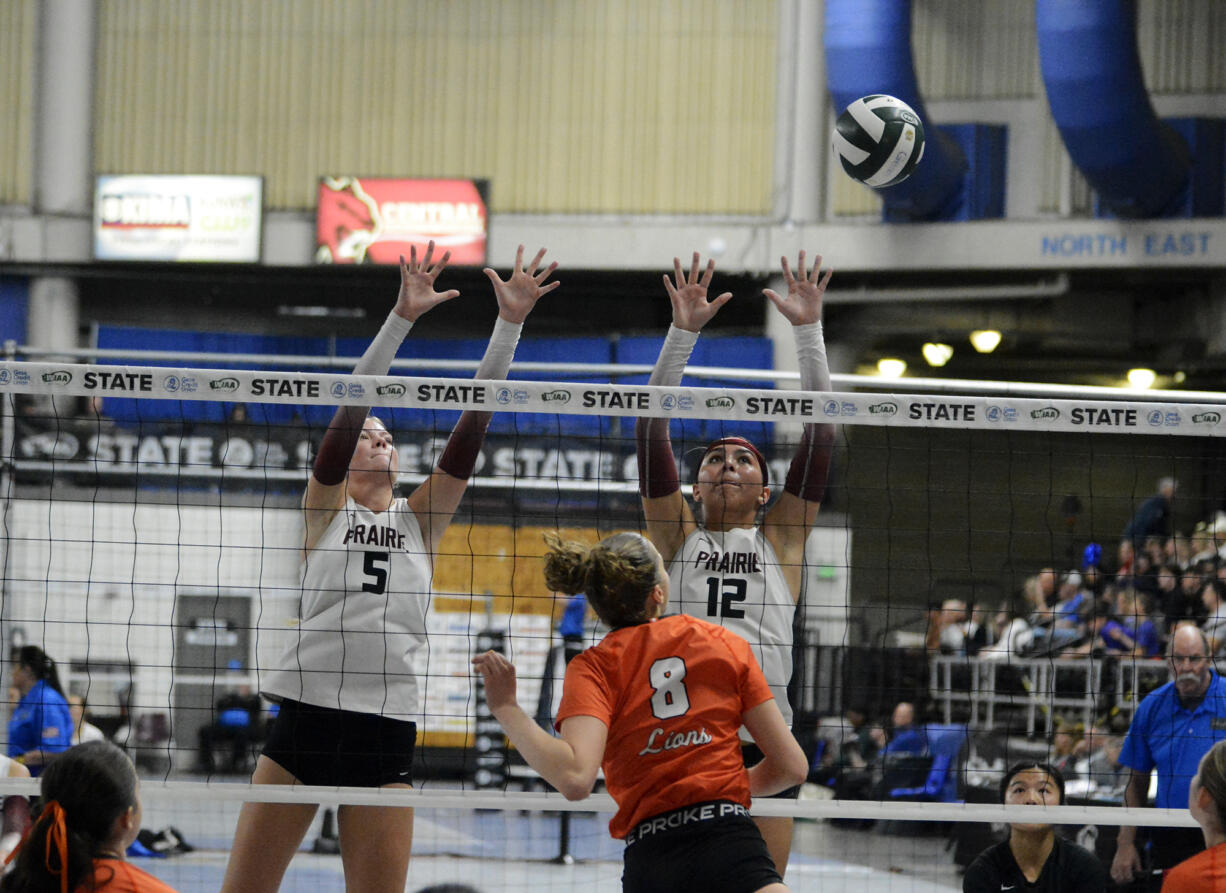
<point x="110" y="454"/>
<point x="155" y="217"/>
<point x="368" y="220"/>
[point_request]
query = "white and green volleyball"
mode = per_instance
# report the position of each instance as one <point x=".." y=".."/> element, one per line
<point x="879" y="140"/>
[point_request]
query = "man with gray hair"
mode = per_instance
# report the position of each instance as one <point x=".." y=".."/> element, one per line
<point x="1174" y="726"/>
<point x="1153" y="518"/>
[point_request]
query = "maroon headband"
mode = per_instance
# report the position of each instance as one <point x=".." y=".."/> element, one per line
<point x="742" y="442"/>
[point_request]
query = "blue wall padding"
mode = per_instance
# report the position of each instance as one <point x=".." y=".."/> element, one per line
<point x="1092" y="70"/>
<point x="14" y="308"/>
<point x="981" y="190"/>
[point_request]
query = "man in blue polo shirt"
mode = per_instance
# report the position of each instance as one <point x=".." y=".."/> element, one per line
<point x="1173" y="728"/>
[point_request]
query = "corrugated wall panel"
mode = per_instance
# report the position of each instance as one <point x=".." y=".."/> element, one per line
<point x="1181" y="43"/>
<point x="18" y="28"/>
<point x="620" y="106"/>
<point x="975" y="50"/>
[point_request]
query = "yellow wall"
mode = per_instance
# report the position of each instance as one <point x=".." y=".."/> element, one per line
<point x="591" y="106"/>
<point x="18" y="21"/>
<point x="502" y="561"/>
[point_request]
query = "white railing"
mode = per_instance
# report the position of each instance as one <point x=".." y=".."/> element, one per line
<point x="1048" y="686"/>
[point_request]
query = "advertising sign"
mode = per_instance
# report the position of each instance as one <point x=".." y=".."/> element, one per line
<point x="364" y="220"/>
<point x="157" y="217"/>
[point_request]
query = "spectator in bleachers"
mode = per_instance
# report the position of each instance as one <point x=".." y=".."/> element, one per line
<point x="1136" y="624"/>
<point x="1153" y="518"/>
<point x="1068" y="623"/>
<point x="1013" y="633"/>
<point x="239" y="724"/>
<point x="1200" y="545"/>
<point x="1143" y="577"/>
<point x="1064" y="745"/>
<point x="1169" y="598"/>
<point x="82" y="729"/>
<point x="904" y="738"/>
<point x="1102" y="764"/>
<point x="1074" y="602"/>
<point x="1213" y="596"/>
<point x="1093" y="581"/>
<point x="1186" y="603"/>
<point x="1179" y="551"/>
<point x="1125" y="557"/>
<point x="951" y="623"/>
<point x="1048" y="581"/>
<point x="977" y="631"/>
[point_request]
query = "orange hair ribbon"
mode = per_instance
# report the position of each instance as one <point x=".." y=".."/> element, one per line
<point x="57" y="837"/>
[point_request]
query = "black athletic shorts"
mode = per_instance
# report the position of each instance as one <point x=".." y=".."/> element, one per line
<point x="326" y="746"/>
<point x="752" y="754"/>
<point x="725" y="853"/>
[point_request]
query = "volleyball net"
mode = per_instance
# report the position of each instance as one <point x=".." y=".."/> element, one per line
<point x="152" y="544"/>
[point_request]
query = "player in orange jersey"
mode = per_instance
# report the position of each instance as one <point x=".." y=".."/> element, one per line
<point x="657" y="704"/>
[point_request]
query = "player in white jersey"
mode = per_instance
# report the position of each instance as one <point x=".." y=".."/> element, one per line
<point x="346" y="682"/>
<point x="738" y="563"/>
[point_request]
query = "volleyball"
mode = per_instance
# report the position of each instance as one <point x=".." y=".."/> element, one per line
<point x="879" y="140"/>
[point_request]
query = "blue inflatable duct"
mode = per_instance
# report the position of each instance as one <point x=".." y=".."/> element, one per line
<point x="1090" y="65"/>
<point x="868" y="50"/>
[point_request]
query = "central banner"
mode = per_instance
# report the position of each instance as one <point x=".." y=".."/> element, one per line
<point x="369" y="220"/>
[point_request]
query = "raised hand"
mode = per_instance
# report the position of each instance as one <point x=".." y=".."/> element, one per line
<point x="417" y="294"/>
<point x="518" y="295"/>
<point x="688" y="293"/>
<point x="498" y="674"/>
<point x="803" y="303"/>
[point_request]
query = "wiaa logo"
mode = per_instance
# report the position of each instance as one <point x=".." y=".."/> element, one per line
<point x="50" y="445"/>
<point x="1050" y="413"/>
<point x="58" y="377"/>
<point x="560" y="395"/>
<point x="225" y="385"/>
<point x="1207" y="418"/>
<point x="391" y="390"/>
<point x="883" y="409"/>
<point x="724" y="402"/>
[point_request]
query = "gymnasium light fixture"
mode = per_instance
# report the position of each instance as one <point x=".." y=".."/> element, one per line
<point x="937" y="354"/>
<point x="985" y="340"/>
<point x="891" y="367"/>
<point x="1141" y="378"/>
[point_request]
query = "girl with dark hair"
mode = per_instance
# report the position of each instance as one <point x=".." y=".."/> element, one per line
<point x="91" y="814"/>
<point x="41" y="724"/>
<point x="658" y="704"/>
<point x="736" y="557"/>
<point x="1033" y="857"/>
<point x="1206" y="871"/>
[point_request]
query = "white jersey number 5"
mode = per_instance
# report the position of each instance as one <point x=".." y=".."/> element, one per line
<point x="668" y="681"/>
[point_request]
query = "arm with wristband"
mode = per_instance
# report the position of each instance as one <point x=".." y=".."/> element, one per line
<point x="789" y="520"/>
<point x="436" y="500"/>
<point x="326" y="487"/>
<point x="668" y="516"/>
